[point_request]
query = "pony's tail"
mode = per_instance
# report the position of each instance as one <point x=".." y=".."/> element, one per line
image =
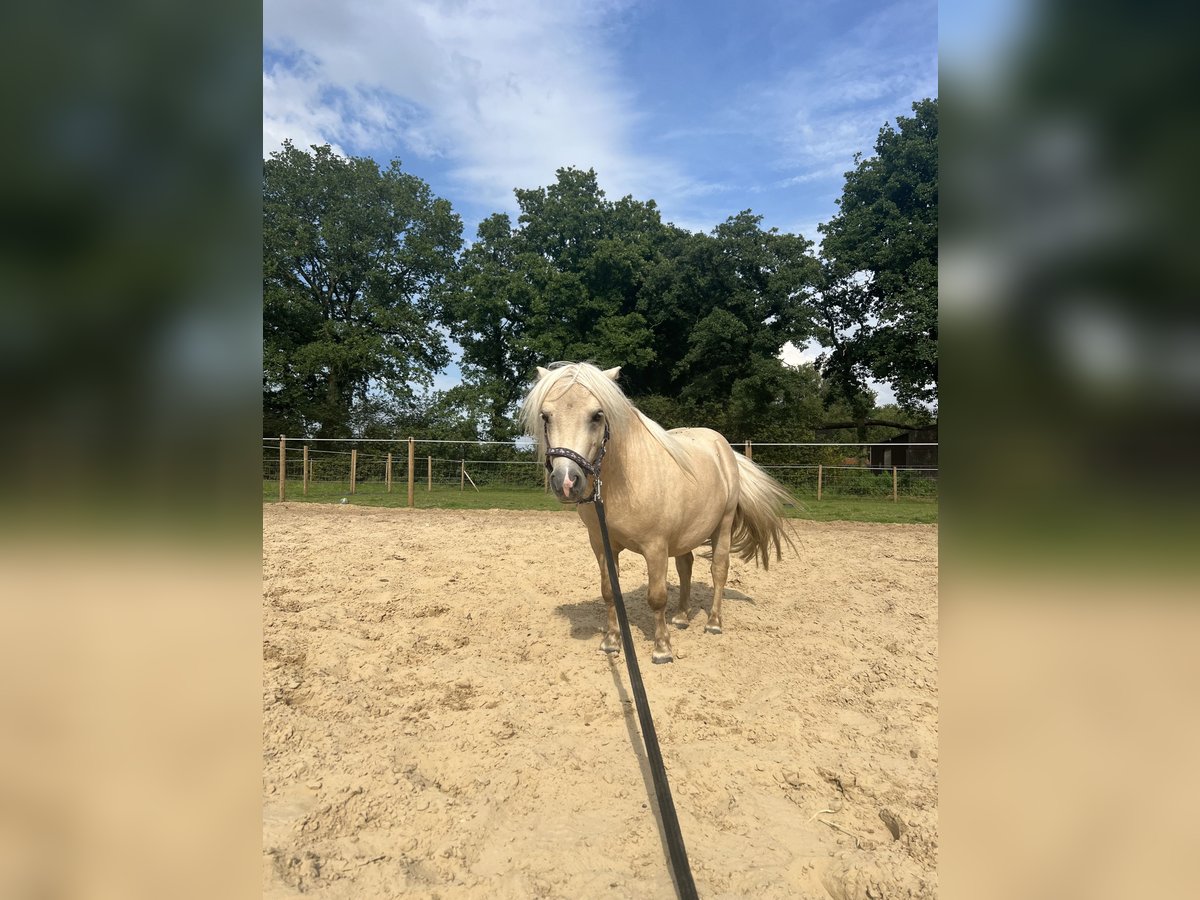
<point x="758" y="524"/>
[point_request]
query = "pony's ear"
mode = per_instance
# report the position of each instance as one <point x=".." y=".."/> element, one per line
<point x="611" y="374"/>
<point x="542" y="373"/>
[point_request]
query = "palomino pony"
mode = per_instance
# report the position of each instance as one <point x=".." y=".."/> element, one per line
<point x="665" y="493"/>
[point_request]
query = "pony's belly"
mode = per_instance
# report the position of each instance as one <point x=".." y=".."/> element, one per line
<point x="680" y="537"/>
<point x="682" y="530"/>
<point x="692" y="535"/>
<point x="689" y="542"/>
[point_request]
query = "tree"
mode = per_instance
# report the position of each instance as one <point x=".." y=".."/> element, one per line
<point x="738" y="296"/>
<point x="485" y="306"/>
<point x="351" y="256"/>
<point x="840" y="310"/>
<point x="584" y="278"/>
<point x="563" y="284"/>
<point x="879" y="303"/>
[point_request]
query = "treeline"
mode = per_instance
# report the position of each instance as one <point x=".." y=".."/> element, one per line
<point x="366" y="279"/>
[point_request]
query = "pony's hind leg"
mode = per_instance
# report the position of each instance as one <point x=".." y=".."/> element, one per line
<point x="721" y="540"/>
<point x="683" y="565"/>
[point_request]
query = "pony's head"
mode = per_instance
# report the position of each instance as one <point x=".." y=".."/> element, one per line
<point x="573" y="406"/>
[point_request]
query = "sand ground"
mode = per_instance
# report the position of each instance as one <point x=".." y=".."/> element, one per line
<point x="440" y="722"/>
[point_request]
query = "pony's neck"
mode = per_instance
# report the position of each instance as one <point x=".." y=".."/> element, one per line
<point x="619" y="466"/>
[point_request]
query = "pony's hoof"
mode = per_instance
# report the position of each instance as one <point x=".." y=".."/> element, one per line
<point x="658" y="658"/>
<point x="610" y="650"/>
<point x="611" y="645"/>
<point x="713" y="629"/>
<point x="680" y="621"/>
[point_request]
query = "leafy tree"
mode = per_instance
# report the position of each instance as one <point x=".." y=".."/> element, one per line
<point x="485" y="305"/>
<point x="563" y="284"/>
<point x="880" y="302"/>
<point x="581" y="277"/>
<point x="737" y="296"/>
<point x="839" y="311"/>
<point x="351" y="255"/>
<point x="585" y="257"/>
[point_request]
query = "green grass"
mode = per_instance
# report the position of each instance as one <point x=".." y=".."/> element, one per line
<point x="906" y="511"/>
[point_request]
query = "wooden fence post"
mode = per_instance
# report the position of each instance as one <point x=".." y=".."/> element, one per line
<point x="304" y="470"/>
<point x="462" y="474"/>
<point x="429" y="473"/>
<point x="282" y="467"/>
<point x="412" y="449"/>
<point x="894" y="484"/>
<point x="353" y="467"/>
<point x="749" y="451"/>
<point x="819" y="474"/>
<point x="389" y="473"/>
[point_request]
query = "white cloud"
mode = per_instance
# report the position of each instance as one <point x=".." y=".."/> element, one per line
<point x="500" y="93"/>
<point x="291" y="110"/>
<point x="833" y="104"/>
<point x="506" y="92"/>
<point x="833" y="170"/>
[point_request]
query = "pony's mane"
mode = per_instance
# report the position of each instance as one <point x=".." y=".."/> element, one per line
<point x="622" y="415"/>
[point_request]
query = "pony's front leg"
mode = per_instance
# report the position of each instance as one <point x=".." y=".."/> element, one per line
<point x="612" y="634"/>
<point x="656" y="596"/>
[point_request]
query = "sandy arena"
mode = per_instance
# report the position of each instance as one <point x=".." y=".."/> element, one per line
<point x="439" y="721"/>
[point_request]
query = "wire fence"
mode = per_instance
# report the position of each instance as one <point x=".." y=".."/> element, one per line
<point x="884" y="482"/>
<point x="396" y="470"/>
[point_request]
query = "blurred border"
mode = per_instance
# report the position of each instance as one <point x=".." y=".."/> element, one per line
<point x="1071" y="391"/>
<point x="130" y="342"/>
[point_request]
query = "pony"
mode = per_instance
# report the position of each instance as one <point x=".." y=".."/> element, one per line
<point x="665" y="493"/>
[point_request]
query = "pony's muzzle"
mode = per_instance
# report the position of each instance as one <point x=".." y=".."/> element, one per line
<point x="568" y="481"/>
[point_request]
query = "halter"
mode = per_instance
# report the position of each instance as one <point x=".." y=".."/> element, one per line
<point x="592" y="468"/>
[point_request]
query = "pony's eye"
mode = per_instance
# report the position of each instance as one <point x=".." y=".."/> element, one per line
<point x="545" y="417"/>
<point x="598" y="416"/>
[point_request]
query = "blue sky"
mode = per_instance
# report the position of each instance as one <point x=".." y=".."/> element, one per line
<point x="707" y="107"/>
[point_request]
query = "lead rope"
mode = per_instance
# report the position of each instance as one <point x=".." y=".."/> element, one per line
<point x="662" y="789"/>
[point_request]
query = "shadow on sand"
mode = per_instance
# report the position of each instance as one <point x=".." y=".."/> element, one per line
<point x="588" y="617"/>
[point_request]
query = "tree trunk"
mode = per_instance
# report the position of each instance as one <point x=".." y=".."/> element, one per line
<point x="336" y="419"/>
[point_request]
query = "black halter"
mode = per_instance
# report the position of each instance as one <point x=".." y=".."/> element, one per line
<point x="592" y="468"/>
